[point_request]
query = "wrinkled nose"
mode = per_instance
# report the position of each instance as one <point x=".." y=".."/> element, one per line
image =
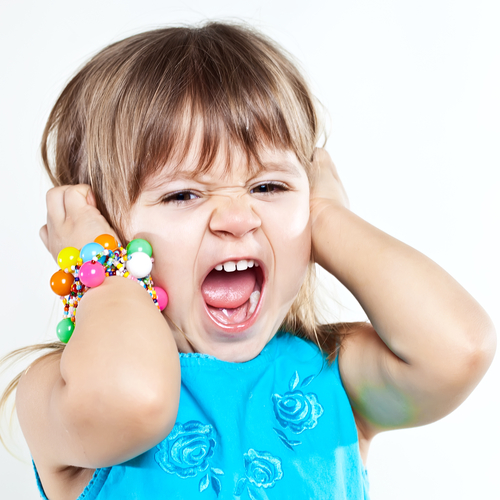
<point x="234" y="217"/>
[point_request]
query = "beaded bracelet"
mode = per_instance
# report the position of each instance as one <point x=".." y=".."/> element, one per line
<point x="87" y="268"/>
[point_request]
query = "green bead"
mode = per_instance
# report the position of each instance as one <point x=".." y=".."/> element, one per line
<point x="65" y="329"/>
<point x="139" y="245"/>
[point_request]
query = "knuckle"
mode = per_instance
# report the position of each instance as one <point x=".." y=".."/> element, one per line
<point x="55" y="192"/>
<point x="71" y="190"/>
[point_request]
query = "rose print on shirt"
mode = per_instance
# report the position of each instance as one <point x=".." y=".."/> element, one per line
<point x="262" y="470"/>
<point x="296" y="410"/>
<point x="187" y="450"/>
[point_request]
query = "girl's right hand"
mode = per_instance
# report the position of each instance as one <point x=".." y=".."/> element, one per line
<point x="72" y="218"/>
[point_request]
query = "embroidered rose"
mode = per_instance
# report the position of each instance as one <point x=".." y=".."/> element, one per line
<point x="296" y="410"/>
<point x="262" y="469"/>
<point x="187" y="449"/>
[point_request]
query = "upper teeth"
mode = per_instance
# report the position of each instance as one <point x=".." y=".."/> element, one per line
<point x="231" y="266"/>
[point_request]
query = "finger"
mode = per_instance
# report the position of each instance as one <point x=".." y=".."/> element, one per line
<point x="91" y="198"/>
<point x="75" y="199"/>
<point x="324" y="159"/>
<point x="44" y="236"/>
<point x="55" y="204"/>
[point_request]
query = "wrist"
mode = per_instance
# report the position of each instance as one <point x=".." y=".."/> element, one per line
<point x="85" y="269"/>
<point x="329" y="222"/>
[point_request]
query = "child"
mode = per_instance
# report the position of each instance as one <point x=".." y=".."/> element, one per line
<point x="202" y="142"/>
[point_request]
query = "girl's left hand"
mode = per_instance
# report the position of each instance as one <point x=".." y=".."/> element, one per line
<point x="327" y="191"/>
<point x="326" y="186"/>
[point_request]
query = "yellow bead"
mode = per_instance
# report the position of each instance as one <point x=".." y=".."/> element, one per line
<point x="68" y="257"/>
<point x="126" y="274"/>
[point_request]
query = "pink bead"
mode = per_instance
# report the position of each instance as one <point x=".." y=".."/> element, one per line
<point x="92" y="274"/>
<point x="161" y="297"/>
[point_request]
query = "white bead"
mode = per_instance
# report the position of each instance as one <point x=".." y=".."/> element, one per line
<point x="139" y="264"/>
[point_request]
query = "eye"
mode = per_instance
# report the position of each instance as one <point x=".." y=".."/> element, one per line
<point x="269" y="188"/>
<point x="179" y="197"/>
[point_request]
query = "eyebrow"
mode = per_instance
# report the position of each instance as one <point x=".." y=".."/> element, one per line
<point x="281" y="166"/>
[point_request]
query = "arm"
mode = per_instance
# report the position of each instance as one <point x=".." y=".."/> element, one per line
<point x="431" y="342"/>
<point x="114" y="391"/>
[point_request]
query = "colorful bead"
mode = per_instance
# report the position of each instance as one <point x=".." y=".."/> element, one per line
<point x="107" y="241"/>
<point x="139" y="245"/>
<point x="139" y="264"/>
<point x="92" y="274"/>
<point x="61" y="283"/>
<point x="65" y="329"/>
<point x="90" y="251"/>
<point x="161" y="297"/>
<point x="83" y="271"/>
<point x="67" y="257"/>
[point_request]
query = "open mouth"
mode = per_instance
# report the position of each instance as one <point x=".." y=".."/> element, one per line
<point x="232" y="292"/>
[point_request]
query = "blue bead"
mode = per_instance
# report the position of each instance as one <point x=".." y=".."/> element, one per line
<point x="90" y="250"/>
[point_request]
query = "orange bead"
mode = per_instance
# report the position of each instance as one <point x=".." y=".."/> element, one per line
<point x="107" y="241"/>
<point x="61" y="283"/>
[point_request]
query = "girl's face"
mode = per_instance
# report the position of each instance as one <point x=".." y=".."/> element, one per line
<point x="196" y="224"/>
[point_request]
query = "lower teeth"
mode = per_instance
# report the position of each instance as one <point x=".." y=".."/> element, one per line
<point x="234" y="315"/>
<point x="254" y="300"/>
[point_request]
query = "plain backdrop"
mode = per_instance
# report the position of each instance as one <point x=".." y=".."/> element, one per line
<point x="413" y="94"/>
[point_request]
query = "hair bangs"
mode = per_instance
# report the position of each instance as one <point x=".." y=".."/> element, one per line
<point x="218" y="95"/>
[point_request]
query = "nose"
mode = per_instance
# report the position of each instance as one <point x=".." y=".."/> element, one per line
<point x="234" y="217"/>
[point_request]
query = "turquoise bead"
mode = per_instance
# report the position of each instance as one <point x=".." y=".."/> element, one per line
<point x="90" y="250"/>
<point x="65" y="329"/>
<point x="139" y="245"/>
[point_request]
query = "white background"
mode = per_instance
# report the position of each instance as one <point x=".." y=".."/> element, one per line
<point x="413" y="91"/>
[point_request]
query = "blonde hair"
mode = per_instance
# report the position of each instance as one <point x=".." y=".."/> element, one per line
<point x="133" y="107"/>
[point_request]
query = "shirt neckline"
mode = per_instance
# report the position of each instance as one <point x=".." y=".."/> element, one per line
<point x="268" y="353"/>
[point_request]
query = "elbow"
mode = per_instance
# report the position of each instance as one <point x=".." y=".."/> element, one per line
<point x="109" y="429"/>
<point x="475" y="355"/>
<point x="158" y="410"/>
<point x="145" y="411"/>
<point x="483" y="351"/>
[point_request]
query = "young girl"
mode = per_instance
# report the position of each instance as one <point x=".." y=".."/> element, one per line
<point x="202" y="142"/>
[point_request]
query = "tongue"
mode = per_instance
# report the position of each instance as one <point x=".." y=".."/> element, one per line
<point x="228" y="290"/>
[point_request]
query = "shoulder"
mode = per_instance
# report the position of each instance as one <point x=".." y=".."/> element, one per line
<point x="57" y="482"/>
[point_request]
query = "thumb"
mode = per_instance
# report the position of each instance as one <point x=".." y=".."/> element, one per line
<point x="44" y="236"/>
<point x="76" y="198"/>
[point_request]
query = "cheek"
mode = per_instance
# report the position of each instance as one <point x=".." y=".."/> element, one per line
<point x="175" y="247"/>
<point x="292" y="226"/>
<point x="292" y="246"/>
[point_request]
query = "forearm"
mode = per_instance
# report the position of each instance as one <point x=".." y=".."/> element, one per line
<point x="121" y="364"/>
<point x="421" y="313"/>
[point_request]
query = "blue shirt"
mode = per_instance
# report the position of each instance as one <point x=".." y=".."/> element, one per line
<point x="279" y="426"/>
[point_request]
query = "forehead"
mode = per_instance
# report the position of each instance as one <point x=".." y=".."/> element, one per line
<point x="227" y="163"/>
